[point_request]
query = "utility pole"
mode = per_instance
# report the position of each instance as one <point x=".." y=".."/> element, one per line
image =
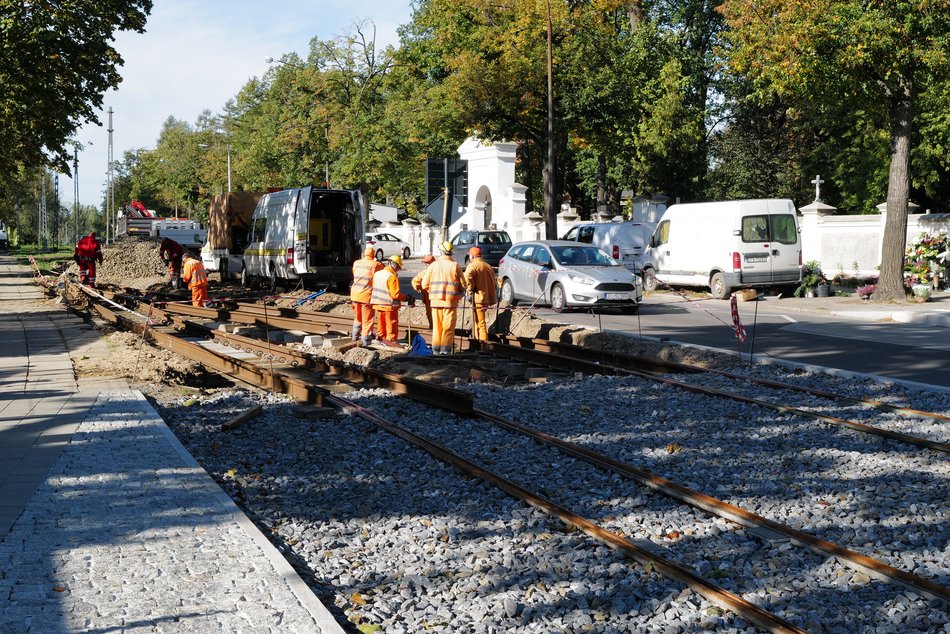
<point x="75" y="194"/>
<point x="550" y="185"/>
<point x="110" y="192"/>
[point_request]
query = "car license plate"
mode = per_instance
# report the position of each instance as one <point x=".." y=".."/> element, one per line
<point x="618" y="296"/>
<point x="761" y="259"/>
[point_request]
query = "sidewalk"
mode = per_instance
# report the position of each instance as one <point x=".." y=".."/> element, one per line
<point x="934" y="313"/>
<point x="107" y="523"/>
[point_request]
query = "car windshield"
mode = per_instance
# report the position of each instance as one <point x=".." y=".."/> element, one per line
<point x="581" y="255"/>
<point x="494" y="237"/>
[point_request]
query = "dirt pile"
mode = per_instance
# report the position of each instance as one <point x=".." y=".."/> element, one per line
<point x="131" y="262"/>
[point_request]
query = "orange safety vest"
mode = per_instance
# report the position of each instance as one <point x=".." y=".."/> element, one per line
<point x="363" y="271"/>
<point x="386" y="289"/>
<point x="444" y="282"/>
<point x="194" y="273"/>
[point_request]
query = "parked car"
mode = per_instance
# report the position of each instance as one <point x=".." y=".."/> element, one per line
<point x="386" y="245"/>
<point x="494" y="244"/>
<point x="566" y="275"/>
<point x="623" y="241"/>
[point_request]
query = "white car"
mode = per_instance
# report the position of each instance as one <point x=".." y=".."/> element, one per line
<point x="386" y="245"/>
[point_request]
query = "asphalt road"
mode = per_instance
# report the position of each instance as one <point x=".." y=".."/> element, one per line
<point x="905" y="351"/>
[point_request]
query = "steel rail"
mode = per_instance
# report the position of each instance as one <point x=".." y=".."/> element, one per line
<point x="559" y="360"/>
<point x="623" y="359"/>
<point x="720" y="508"/>
<point x="247" y="372"/>
<point x="668" y="568"/>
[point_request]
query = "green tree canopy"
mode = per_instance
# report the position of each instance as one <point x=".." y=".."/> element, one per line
<point x="56" y="62"/>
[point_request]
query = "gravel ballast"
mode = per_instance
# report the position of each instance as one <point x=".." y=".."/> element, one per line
<point x="403" y="543"/>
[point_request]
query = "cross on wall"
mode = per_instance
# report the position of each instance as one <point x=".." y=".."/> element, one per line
<point x="817" y="182"/>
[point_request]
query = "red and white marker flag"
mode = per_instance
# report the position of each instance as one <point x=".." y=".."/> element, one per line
<point x="740" y="331"/>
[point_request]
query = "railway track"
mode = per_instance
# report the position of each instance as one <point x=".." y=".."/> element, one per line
<point x="461" y="403"/>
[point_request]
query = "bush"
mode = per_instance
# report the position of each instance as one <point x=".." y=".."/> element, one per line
<point x="865" y="291"/>
<point x="811" y="277"/>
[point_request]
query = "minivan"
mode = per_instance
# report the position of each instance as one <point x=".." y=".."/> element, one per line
<point x="307" y="234"/>
<point x="725" y="246"/>
<point x="493" y="243"/>
<point x="623" y="241"/>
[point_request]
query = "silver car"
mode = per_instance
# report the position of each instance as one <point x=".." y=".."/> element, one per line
<point x="567" y="275"/>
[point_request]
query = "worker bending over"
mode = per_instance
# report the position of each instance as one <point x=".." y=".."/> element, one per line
<point x="193" y="274"/>
<point x="444" y="280"/>
<point x="387" y="299"/>
<point x="87" y="252"/>
<point x="482" y="288"/>
<point x="171" y="253"/>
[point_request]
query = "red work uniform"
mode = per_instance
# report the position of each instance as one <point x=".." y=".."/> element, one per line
<point x="386" y="301"/>
<point x="171" y="252"/>
<point x="88" y="251"/>
<point x="196" y="277"/>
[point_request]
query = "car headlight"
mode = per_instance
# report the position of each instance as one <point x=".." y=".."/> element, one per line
<point x="577" y="278"/>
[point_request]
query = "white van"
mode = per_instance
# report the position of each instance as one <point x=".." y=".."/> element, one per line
<point x="623" y="241"/>
<point x="725" y="246"/>
<point x="4" y="243"/>
<point x="307" y="234"/>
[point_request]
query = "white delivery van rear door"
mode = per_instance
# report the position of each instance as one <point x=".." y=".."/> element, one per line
<point x="785" y="247"/>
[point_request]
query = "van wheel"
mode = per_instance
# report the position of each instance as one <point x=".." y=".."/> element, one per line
<point x="558" y="302"/>
<point x="718" y="286"/>
<point x="405" y="253"/>
<point x="508" y="293"/>
<point x="379" y="255"/>
<point x="649" y="280"/>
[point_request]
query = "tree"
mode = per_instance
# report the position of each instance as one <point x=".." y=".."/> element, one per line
<point x="883" y="52"/>
<point x="56" y="63"/>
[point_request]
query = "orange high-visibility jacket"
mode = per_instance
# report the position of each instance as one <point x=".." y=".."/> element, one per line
<point x="363" y="271"/>
<point x="445" y="283"/>
<point x="386" y="293"/>
<point x="482" y="282"/>
<point x="193" y="273"/>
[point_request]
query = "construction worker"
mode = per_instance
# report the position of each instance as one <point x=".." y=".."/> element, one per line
<point x="482" y="286"/>
<point x="360" y="294"/>
<point x="444" y="280"/>
<point x="387" y="299"/>
<point x="88" y="251"/>
<point x="193" y="274"/>
<point x="417" y="286"/>
<point x="171" y="252"/>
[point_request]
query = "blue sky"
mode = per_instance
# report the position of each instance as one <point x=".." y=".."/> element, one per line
<point x="196" y="54"/>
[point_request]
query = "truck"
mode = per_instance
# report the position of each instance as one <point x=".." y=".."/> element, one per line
<point x="136" y="220"/>
<point x="4" y="242"/>
<point x="726" y="245"/>
<point x="229" y="219"/>
<point x="305" y="234"/>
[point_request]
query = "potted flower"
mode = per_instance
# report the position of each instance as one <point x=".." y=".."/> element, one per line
<point x="812" y="277"/>
<point x="865" y="292"/>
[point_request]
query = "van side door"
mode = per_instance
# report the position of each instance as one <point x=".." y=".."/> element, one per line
<point x="298" y="249"/>
<point x="254" y="253"/>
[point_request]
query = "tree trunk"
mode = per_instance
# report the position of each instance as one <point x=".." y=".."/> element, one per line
<point x="635" y="14"/>
<point x="891" y="284"/>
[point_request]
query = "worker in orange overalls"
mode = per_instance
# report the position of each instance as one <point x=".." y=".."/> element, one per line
<point x="387" y="299"/>
<point x="193" y="274"/>
<point x="444" y="280"/>
<point x="171" y="253"/>
<point x="360" y="294"/>
<point x="88" y="251"/>
<point x="482" y="286"/>
<point x="417" y="286"/>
